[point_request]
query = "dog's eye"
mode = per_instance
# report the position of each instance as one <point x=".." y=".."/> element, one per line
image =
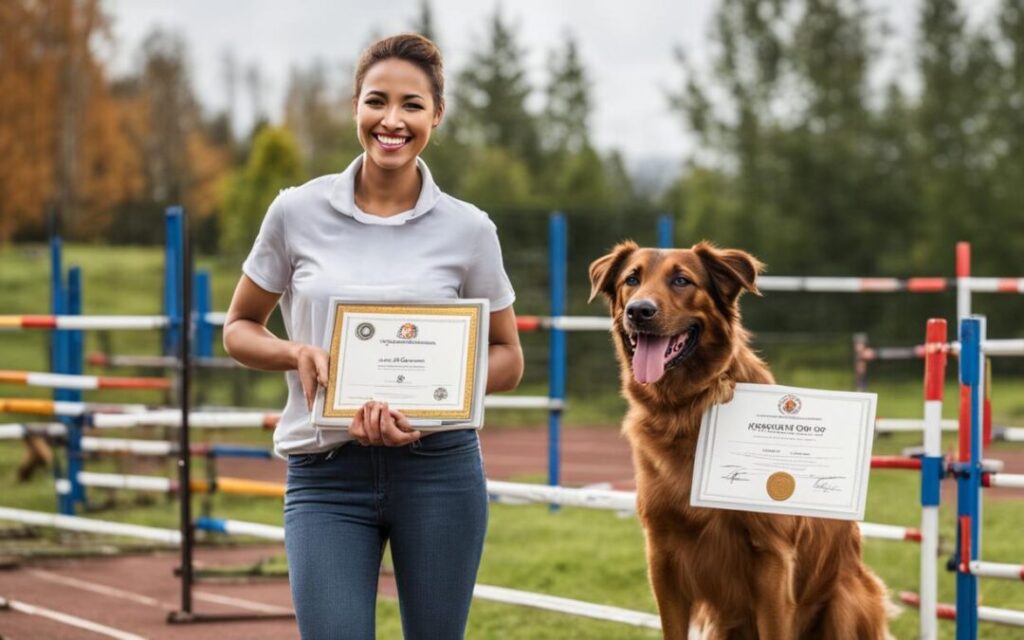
<point x="632" y="280"/>
<point x="680" y="281"/>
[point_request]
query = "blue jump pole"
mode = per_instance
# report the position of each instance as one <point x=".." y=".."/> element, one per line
<point x="968" y="470"/>
<point x="74" y="358"/>
<point x="203" y="343"/>
<point x="666" y="239"/>
<point x="59" y="354"/>
<point x="558" y="254"/>
<point x="172" y="278"/>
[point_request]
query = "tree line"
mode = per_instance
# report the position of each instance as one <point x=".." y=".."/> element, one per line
<point x="806" y="153"/>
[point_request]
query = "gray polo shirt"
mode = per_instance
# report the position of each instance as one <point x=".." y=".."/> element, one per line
<point x="315" y="243"/>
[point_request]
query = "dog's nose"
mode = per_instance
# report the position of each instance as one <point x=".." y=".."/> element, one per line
<point x="641" y="310"/>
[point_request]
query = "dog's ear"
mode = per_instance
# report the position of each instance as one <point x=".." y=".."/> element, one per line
<point x="731" y="272"/>
<point x="604" y="270"/>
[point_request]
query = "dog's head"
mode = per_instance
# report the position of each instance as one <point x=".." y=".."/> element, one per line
<point x="675" y="313"/>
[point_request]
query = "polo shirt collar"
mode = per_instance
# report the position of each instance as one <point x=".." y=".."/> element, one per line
<point x="343" y="196"/>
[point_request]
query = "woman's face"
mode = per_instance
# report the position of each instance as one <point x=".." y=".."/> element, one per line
<point x="395" y="113"/>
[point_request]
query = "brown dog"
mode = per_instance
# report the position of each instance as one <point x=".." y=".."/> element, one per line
<point x="681" y="348"/>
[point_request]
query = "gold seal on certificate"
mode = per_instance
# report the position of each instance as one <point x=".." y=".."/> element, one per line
<point x="786" y="450"/>
<point x="427" y="359"/>
<point x="780" y="486"/>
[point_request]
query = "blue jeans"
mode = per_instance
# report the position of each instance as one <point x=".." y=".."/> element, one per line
<point x="429" y="499"/>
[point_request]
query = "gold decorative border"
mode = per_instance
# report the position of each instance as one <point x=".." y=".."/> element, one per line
<point x="471" y="310"/>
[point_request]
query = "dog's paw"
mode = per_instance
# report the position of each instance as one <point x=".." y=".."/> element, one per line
<point x="725" y="390"/>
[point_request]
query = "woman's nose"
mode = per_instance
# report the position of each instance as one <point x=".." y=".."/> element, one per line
<point x="392" y="118"/>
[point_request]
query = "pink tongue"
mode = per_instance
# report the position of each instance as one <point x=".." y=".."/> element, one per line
<point x="649" y="358"/>
<point x="653" y="353"/>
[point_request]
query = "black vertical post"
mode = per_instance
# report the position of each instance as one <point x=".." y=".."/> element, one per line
<point x="184" y="451"/>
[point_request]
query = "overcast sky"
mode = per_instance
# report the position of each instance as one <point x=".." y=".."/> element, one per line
<point x="626" y="47"/>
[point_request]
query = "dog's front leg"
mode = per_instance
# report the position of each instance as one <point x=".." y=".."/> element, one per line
<point x="675" y="603"/>
<point x="776" y="604"/>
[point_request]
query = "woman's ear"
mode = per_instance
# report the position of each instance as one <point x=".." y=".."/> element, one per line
<point x="439" y="114"/>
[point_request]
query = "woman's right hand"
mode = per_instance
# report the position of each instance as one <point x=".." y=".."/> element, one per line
<point x="377" y="424"/>
<point x="311" y="362"/>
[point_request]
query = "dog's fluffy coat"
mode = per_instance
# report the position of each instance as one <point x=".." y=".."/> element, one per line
<point x="735" y="574"/>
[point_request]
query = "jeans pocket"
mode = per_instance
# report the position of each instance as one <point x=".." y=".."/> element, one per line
<point x="304" y="459"/>
<point x="446" y="443"/>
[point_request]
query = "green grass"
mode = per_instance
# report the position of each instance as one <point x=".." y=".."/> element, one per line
<point x="588" y="555"/>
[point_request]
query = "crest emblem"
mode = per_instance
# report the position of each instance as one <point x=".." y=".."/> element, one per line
<point x="408" y="331"/>
<point x="440" y="394"/>
<point x="365" y="330"/>
<point x="790" y="404"/>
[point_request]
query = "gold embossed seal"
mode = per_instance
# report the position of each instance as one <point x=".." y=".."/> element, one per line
<point x="780" y="486"/>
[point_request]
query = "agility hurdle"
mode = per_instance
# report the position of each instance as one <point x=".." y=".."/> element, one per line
<point x="970" y="474"/>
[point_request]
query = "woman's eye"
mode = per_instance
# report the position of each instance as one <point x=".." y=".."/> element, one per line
<point x="680" y="281"/>
<point x="374" y="103"/>
<point x="632" y="281"/>
<point x="413" y="107"/>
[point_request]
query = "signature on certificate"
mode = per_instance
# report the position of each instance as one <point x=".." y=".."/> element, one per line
<point x="825" y="484"/>
<point x="735" y="474"/>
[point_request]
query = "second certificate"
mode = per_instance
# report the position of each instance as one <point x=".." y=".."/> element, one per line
<point x="422" y="359"/>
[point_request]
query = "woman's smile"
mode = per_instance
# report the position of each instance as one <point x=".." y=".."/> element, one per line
<point x="391" y="142"/>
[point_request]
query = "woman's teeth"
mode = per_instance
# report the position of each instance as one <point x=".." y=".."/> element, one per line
<point x="389" y="141"/>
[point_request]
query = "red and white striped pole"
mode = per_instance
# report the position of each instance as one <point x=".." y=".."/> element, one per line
<point x="963" y="285"/>
<point x="931" y="472"/>
<point x="986" y="416"/>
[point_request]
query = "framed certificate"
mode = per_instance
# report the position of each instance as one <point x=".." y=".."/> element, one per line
<point x="786" y="450"/>
<point x="426" y="359"/>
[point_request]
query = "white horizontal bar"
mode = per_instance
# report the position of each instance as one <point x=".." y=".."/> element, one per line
<point x="62" y="380"/>
<point x="17" y="431"/>
<point x="994" y="285"/>
<point x="1003" y="347"/>
<point x="992" y="465"/>
<point x="68" y="619"/>
<point x="172" y="418"/>
<point x="74" y="523"/>
<point x="523" y="402"/>
<point x="216" y="318"/>
<point x="780" y="283"/>
<point x="1013" y="434"/>
<point x="239" y="528"/>
<point x="112" y="322"/>
<point x="997" y="570"/>
<point x="62" y="408"/>
<point x="1007" y="480"/>
<point x="589" y="498"/>
<point x="884" y="531"/>
<point x="131" y="482"/>
<point x="139" y="447"/>
<point x="580" y="323"/>
<point x="1002" y="616"/>
<point x="566" y="605"/>
<point x="888" y="425"/>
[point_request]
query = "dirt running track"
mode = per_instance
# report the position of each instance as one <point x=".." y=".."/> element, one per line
<point x="132" y="595"/>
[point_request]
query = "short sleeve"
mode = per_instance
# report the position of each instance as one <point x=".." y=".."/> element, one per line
<point x="269" y="263"/>
<point x="486" y="277"/>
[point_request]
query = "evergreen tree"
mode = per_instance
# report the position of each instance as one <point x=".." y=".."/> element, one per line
<point x="424" y="23"/>
<point x="566" y="116"/>
<point x="320" y="118"/>
<point x="274" y="163"/>
<point x="491" y="96"/>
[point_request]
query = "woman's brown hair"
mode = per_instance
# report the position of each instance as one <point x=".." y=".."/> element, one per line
<point x="411" y="47"/>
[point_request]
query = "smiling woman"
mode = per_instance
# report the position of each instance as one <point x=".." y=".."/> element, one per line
<point x="381" y="230"/>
